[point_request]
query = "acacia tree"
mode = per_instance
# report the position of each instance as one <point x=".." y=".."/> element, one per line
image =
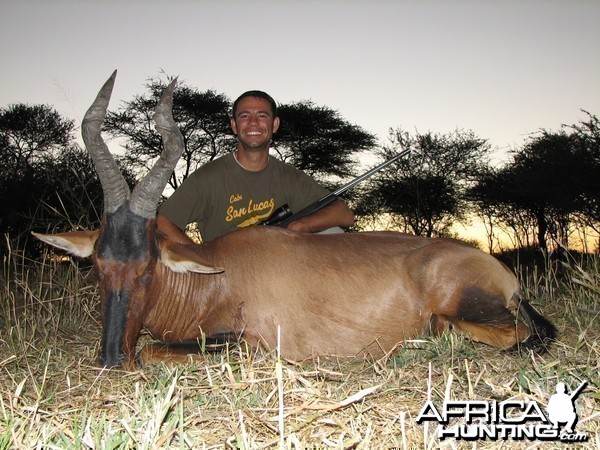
<point x="425" y="193"/>
<point x="552" y="178"/>
<point x="46" y="181"/>
<point x="318" y="140"/>
<point x="202" y="117"/>
<point x="586" y="142"/>
<point x="28" y="133"/>
<point x="492" y="200"/>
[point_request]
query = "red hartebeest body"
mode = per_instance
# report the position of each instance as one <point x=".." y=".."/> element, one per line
<point x="337" y="294"/>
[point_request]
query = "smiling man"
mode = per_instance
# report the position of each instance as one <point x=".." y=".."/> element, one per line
<point x="244" y="187"/>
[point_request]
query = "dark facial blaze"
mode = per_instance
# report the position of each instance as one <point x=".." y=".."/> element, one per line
<point x="126" y="254"/>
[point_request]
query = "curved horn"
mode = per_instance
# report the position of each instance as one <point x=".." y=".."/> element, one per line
<point x="114" y="186"/>
<point x="146" y="194"/>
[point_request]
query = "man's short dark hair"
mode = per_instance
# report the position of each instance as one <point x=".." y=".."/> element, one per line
<point x="259" y="94"/>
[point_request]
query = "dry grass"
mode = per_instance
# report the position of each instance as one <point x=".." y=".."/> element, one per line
<point x="54" y="397"/>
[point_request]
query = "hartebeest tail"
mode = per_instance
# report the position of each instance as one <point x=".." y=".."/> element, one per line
<point x="343" y="294"/>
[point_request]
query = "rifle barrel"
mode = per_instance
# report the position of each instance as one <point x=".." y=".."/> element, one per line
<point x="366" y="175"/>
<point x="576" y="392"/>
<point x="283" y="216"/>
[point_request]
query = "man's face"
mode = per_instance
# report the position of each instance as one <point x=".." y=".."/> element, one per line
<point x="254" y="123"/>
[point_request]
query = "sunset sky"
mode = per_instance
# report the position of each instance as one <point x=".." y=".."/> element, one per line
<point x="503" y="69"/>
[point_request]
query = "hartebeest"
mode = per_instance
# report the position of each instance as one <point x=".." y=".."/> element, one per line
<point x="337" y="294"/>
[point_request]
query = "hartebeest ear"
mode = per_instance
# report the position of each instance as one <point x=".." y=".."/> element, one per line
<point x="78" y="243"/>
<point x="181" y="258"/>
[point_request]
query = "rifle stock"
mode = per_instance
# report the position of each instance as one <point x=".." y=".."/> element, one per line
<point x="283" y="216"/>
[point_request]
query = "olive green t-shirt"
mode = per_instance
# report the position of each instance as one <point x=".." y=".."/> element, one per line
<point x="221" y="196"/>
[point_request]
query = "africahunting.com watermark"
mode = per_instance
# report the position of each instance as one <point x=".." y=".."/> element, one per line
<point x="510" y="419"/>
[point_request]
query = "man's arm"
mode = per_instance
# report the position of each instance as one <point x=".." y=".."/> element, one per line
<point x="172" y="231"/>
<point x="337" y="214"/>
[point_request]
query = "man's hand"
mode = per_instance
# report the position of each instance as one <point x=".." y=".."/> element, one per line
<point x="172" y="231"/>
<point x="335" y="215"/>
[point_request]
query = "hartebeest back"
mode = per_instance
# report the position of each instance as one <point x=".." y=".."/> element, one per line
<point x="345" y="294"/>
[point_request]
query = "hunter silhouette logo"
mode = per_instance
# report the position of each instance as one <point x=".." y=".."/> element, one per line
<point x="510" y="419"/>
<point x="561" y="407"/>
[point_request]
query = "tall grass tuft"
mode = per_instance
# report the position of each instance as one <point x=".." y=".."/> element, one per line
<point x="53" y="396"/>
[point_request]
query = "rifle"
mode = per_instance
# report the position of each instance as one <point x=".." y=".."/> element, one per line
<point x="577" y="391"/>
<point x="283" y="215"/>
